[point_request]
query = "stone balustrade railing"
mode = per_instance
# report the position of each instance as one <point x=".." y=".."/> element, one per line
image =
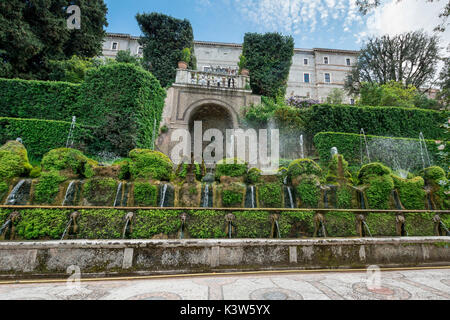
<point x="212" y="80"/>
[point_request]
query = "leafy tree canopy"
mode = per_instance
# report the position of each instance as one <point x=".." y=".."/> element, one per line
<point x="164" y="39"/>
<point x="410" y="58"/>
<point x="269" y="59"/>
<point x="34" y="32"/>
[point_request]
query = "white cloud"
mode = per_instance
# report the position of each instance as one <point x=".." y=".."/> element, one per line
<point x="295" y="16"/>
<point x="408" y="15"/>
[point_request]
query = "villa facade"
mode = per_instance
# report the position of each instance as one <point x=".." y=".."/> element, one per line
<point x="314" y="72"/>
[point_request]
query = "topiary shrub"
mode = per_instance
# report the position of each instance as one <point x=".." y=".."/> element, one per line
<point x="411" y="192"/>
<point x="47" y="187"/>
<point x="231" y="168"/>
<point x="270" y="195"/>
<point x="149" y="164"/>
<point x="308" y="193"/>
<point x="100" y="191"/>
<point x="303" y="167"/>
<point x="14" y="161"/>
<point x="254" y="176"/>
<point x="145" y="194"/>
<point x="70" y="161"/>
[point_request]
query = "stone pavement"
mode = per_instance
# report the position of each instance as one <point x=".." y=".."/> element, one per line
<point x="429" y="284"/>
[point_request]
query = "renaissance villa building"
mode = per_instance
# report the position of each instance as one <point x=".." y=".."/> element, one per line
<point x="314" y="72"/>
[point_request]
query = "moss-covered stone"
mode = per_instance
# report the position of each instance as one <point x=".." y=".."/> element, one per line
<point x="253" y="176"/>
<point x="206" y="224"/>
<point x="419" y="224"/>
<point x="377" y="177"/>
<point x="70" y="162"/>
<point x="101" y="224"/>
<point x="338" y="170"/>
<point x="308" y="192"/>
<point x="252" y="224"/>
<point x="231" y="168"/>
<point x="47" y="187"/>
<point x="381" y="224"/>
<point x="439" y="185"/>
<point x="150" y="223"/>
<point x="149" y="164"/>
<point x="145" y="194"/>
<point x="13" y="161"/>
<point x="296" y="224"/>
<point x="411" y="192"/>
<point x="303" y="167"/>
<point x="344" y="198"/>
<point x="41" y="224"/>
<point x="233" y="195"/>
<point x="100" y="191"/>
<point x="341" y="224"/>
<point x="270" y="195"/>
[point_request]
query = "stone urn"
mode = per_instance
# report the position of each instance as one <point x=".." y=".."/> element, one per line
<point x="182" y="65"/>
<point x="245" y="72"/>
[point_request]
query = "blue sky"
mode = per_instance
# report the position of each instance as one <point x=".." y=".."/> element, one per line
<point x="312" y="23"/>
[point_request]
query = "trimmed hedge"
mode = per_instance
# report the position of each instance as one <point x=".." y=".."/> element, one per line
<point x="41" y="136"/>
<point x="349" y="145"/>
<point x="123" y="101"/>
<point x="32" y="99"/>
<point x="382" y="121"/>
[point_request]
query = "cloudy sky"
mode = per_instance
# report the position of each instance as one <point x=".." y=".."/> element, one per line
<point x="312" y="23"/>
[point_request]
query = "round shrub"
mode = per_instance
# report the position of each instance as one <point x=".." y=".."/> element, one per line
<point x="68" y="159"/>
<point x="14" y="160"/>
<point x="372" y="170"/>
<point x="304" y="166"/>
<point x="253" y="176"/>
<point x="149" y="164"/>
<point x="231" y="168"/>
<point x="434" y="174"/>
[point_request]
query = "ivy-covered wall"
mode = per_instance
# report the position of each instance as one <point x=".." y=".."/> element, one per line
<point x="45" y="224"/>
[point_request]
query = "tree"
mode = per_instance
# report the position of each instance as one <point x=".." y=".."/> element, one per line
<point x="444" y="81"/>
<point x="269" y="59"/>
<point x="410" y="58"/>
<point x="164" y="39"/>
<point x="125" y="56"/>
<point x="34" y="32"/>
<point x="367" y="5"/>
<point x="336" y="96"/>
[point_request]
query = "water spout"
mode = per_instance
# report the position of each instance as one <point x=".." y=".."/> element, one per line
<point x="252" y="191"/>
<point x="206" y="203"/>
<point x="163" y="196"/>
<point x="363" y="136"/>
<point x="117" y="201"/>
<point x="69" y="142"/>
<point x="67" y="228"/>
<point x="19" y="193"/>
<point x="7" y="224"/>
<point x="302" y="148"/>
<point x="127" y="228"/>
<point x="424" y="151"/>
<point x="291" y="197"/>
<point x="70" y="194"/>
<point x="367" y="228"/>
<point x="278" y="229"/>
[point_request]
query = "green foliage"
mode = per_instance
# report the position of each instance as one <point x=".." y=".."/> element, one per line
<point x="242" y="62"/>
<point x="419" y="224"/>
<point x="34" y="32"/>
<point x="100" y="191"/>
<point x="380" y="184"/>
<point x="349" y="145"/>
<point x="122" y="101"/>
<point x="269" y="59"/>
<point x="68" y="159"/>
<point x="254" y="176"/>
<point x="125" y="56"/>
<point x="340" y="224"/>
<point x="145" y="194"/>
<point x="296" y="224"/>
<point x="232" y="198"/>
<point x="344" y="198"/>
<point x="186" y="55"/>
<point x="335" y="171"/>
<point x="47" y="187"/>
<point x="101" y="224"/>
<point x="231" y="168"/>
<point x="33" y="131"/>
<point x="13" y="161"/>
<point x="411" y="192"/>
<point x="147" y="224"/>
<point x="381" y="224"/>
<point x="336" y="96"/>
<point x="389" y="94"/>
<point x="252" y="224"/>
<point x="206" y="224"/>
<point x="434" y="174"/>
<point x="72" y="70"/>
<point x="381" y="121"/>
<point x="38" y="99"/>
<point x="372" y="170"/>
<point x="257" y="116"/>
<point x="4" y="188"/>
<point x="42" y="224"/>
<point x="270" y="195"/>
<point x="148" y="164"/>
<point x="308" y="192"/>
<point x="304" y="166"/>
<point x="164" y="39"/>
<point x="183" y="171"/>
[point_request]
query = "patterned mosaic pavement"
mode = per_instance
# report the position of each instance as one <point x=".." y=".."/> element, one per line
<point x="430" y="284"/>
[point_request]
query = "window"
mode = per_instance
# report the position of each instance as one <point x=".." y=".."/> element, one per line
<point x="325" y="60"/>
<point x="305" y="61"/>
<point x="306" y="77"/>
<point x="140" y="50"/>
<point x="352" y="101"/>
<point x="349" y="62"/>
<point x="115" y="45"/>
<point x="327" y="78"/>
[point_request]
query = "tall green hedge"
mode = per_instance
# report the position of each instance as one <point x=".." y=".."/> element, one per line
<point x="38" y="99"/>
<point x="382" y="121"/>
<point x="349" y="145"/>
<point x="269" y="59"/>
<point x="41" y="136"/>
<point x="122" y="101"/>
